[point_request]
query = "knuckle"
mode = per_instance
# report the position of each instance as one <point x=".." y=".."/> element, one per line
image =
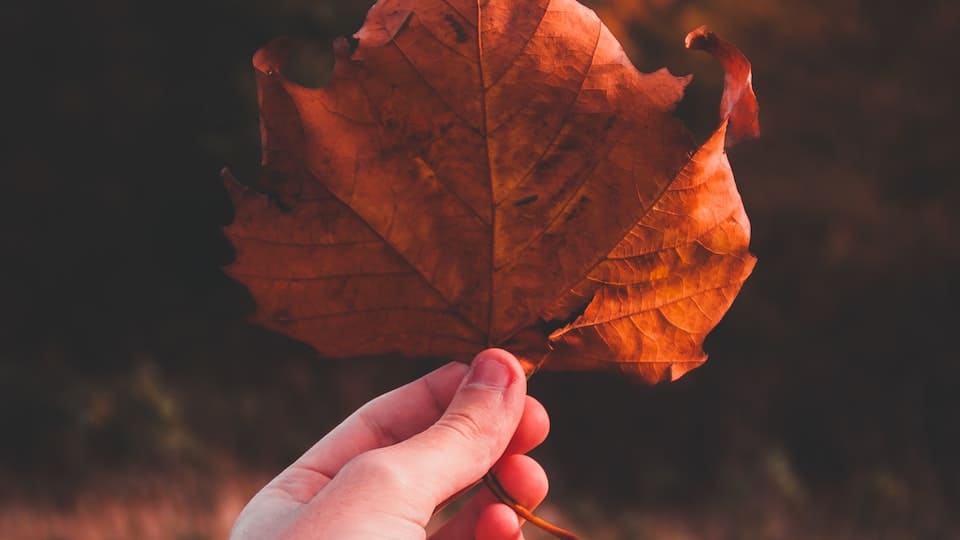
<point x="462" y="425"/>
<point x="375" y="465"/>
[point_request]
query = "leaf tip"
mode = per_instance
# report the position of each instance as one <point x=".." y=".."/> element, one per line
<point x="234" y="188"/>
<point x="270" y="58"/>
<point x="701" y="39"/>
<point x="679" y="369"/>
<point x="739" y="102"/>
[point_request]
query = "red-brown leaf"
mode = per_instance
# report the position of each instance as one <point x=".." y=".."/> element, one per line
<point x="493" y="173"/>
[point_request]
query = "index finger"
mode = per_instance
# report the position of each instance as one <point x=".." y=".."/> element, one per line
<point x="383" y="421"/>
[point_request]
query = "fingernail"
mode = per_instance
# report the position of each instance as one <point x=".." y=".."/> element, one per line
<point x="487" y="371"/>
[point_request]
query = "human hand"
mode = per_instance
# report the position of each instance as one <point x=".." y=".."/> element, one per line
<point x="383" y="472"/>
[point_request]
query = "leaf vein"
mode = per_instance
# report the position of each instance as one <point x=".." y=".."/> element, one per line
<point x="563" y="122"/>
<point x="652" y="308"/>
<point x="526" y="43"/>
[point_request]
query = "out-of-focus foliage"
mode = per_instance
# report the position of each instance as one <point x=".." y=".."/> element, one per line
<point x="829" y="403"/>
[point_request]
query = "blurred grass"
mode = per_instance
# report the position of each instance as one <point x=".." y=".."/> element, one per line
<point x="829" y="406"/>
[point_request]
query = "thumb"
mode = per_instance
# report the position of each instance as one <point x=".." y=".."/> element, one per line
<point x="473" y="432"/>
<point x="456" y="451"/>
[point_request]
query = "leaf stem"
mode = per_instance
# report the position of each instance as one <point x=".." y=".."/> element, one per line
<point x="494" y="485"/>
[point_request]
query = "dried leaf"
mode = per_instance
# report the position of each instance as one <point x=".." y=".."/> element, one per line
<point x="491" y="174"/>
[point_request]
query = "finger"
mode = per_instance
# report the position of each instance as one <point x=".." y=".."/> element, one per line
<point x="532" y="430"/>
<point x="392" y="417"/>
<point x="521" y="476"/>
<point x="412" y="477"/>
<point x="498" y="522"/>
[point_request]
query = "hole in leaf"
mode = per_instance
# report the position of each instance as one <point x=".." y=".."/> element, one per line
<point x="310" y="65"/>
<point x="549" y="327"/>
<point x="526" y="200"/>
<point x="354" y="44"/>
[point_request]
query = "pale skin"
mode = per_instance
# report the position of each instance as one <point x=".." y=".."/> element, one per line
<point x="384" y="471"/>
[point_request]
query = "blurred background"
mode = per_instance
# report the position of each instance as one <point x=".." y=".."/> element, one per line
<point x="136" y="402"/>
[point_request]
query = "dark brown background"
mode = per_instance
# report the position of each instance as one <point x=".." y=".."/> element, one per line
<point x="829" y="407"/>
